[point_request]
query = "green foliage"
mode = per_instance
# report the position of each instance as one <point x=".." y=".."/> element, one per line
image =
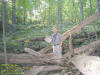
<point x="39" y="17"/>
<point x="48" y="10"/>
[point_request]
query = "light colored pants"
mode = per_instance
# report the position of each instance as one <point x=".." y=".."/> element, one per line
<point x="57" y="51"/>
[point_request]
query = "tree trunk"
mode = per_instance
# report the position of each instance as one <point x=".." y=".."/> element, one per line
<point x="4" y="29"/>
<point x="81" y="15"/>
<point x="14" y="14"/>
<point x="81" y="10"/>
<point x="24" y="17"/>
<point x="60" y="14"/>
<point x="73" y="2"/>
<point x="91" y="11"/>
<point x="98" y="4"/>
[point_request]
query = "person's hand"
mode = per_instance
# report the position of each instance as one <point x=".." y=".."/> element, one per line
<point x="49" y="36"/>
<point x="48" y="39"/>
<point x="60" y="48"/>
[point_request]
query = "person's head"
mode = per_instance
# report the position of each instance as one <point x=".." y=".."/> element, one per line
<point x="55" y="29"/>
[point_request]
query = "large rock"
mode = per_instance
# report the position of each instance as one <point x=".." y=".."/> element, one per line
<point x="88" y="65"/>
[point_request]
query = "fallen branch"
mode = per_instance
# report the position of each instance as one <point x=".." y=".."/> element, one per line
<point x="32" y="39"/>
<point x="38" y="69"/>
<point x="86" y="49"/>
<point x="32" y="52"/>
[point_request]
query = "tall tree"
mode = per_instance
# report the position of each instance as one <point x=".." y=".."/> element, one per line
<point x="0" y="17"/>
<point x="24" y="16"/>
<point x="73" y="2"/>
<point x="60" y="13"/>
<point x="91" y="9"/>
<point x="98" y="4"/>
<point x="81" y="10"/>
<point x="14" y="13"/>
<point x="81" y="19"/>
<point x="81" y="14"/>
<point x="91" y="12"/>
<point x="25" y="6"/>
<point x="4" y="31"/>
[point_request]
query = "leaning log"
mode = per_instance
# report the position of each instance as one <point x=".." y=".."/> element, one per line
<point x="91" y="34"/>
<point x="78" y="27"/>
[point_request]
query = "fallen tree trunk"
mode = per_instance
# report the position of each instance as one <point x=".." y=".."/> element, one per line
<point x="78" y="27"/>
<point x="28" y="59"/>
<point x="45" y="50"/>
<point x="75" y="29"/>
<point x="83" y="36"/>
<point x="32" y="52"/>
<point x="32" y="39"/>
<point x="38" y="69"/>
<point x="86" y="49"/>
<point x="47" y="59"/>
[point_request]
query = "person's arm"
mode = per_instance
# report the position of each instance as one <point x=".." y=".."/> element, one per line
<point x="61" y="42"/>
<point x="50" y="36"/>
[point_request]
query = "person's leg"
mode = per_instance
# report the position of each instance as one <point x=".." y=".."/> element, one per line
<point x="59" y="54"/>
<point x="55" y="50"/>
